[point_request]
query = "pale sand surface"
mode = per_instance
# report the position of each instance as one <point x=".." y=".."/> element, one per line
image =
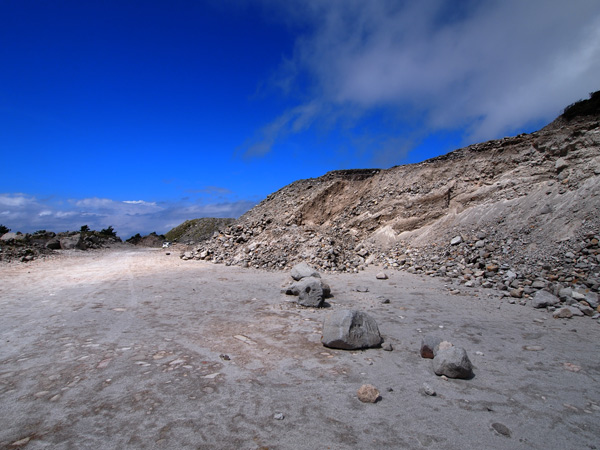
<point x="121" y="349"/>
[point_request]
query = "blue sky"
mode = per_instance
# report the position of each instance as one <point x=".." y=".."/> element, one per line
<point x="142" y="114"/>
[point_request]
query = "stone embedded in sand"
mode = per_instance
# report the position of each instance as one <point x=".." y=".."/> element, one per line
<point x="381" y="276"/>
<point x="501" y="429"/>
<point x="350" y="330"/>
<point x="428" y="346"/>
<point x="563" y="313"/>
<point x="303" y="270"/>
<point x="387" y="347"/>
<point x="428" y="390"/>
<point x="368" y="393"/>
<point x="453" y="362"/>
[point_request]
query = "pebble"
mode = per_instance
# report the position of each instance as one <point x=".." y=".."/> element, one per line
<point x="368" y="393"/>
<point x="278" y="416"/>
<point x="387" y="347"/>
<point x="533" y="348"/>
<point x="501" y="429"/>
<point x="428" y="390"/>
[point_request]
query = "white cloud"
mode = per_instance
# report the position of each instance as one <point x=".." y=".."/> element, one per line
<point x="491" y="66"/>
<point x="15" y="200"/>
<point x="139" y="202"/>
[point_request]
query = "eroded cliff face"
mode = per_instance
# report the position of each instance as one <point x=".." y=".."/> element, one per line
<point x="529" y="199"/>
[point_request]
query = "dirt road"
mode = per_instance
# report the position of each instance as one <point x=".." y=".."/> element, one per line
<point x="136" y="349"/>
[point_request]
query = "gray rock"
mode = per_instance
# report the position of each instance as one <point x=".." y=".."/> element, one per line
<point x="71" y="242"/>
<point x="53" y="244"/>
<point x="592" y="299"/>
<point x="538" y="284"/>
<point x="565" y="293"/>
<point x="381" y="276"/>
<point x="563" y="313"/>
<point x="429" y="345"/>
<point x="310" y="292"/>
<point x="453" y="362"/>
<point x="11" y="236"/>
<point x="303" y="270"/>
<point x="560" y="164"/>
<point x="456" y="240"/>
<point x="350" y="330"/>
<point x="387" y="347"/>
<point x="501" y="429"/>
<point x="543" y="299"/>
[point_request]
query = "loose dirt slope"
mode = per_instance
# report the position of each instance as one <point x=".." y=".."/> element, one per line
<point x="137" y="349"/>
<point x="529" y="199"/>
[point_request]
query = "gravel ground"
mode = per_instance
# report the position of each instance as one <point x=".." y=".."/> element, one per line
<point x="134" y="348"/>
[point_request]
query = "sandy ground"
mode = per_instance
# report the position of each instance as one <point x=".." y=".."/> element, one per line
<point x="126" y="349"/>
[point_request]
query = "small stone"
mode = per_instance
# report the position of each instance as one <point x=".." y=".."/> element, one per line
<point x="225" y="357"/>
<point x="538" y="284"/>
<point x="456" y="240"/>
<point x="368" y="393"/>
<point x="501" y="429"/>
<point x="20" y="442"/>
<point x="428" y="390"/>
<point x="533" y="348"/>
<point x="278" y="416"/>
<point x="563" y="313"/>
<point x="387" y="347"/>
<point x="381" y="276"/>
<point x="516" y="293"/>
<point x="428" y="346"/>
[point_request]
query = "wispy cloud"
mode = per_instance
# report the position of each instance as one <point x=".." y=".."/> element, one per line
<point x="486" y="67"/>
<point x="26" y="213"/>
<point x="291" y="121"/>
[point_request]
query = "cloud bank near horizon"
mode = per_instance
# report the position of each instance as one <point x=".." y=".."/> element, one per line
<point x="26" y="213"/>
<point x="484" y="68"/>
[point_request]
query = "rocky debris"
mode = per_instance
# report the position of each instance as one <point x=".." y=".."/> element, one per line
<point x="368" y="393"/>
<point x="453" y="362"/>
<point x="308" y="286"/>
<point x="350" y="330"/>
<point x="27" y="247"/>
<point x="505" y="215"/>
<point x="197" y="230"/>
<point x="150" y="240"/>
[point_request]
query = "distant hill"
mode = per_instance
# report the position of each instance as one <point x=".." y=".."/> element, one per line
<point x="196" y="230"/>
